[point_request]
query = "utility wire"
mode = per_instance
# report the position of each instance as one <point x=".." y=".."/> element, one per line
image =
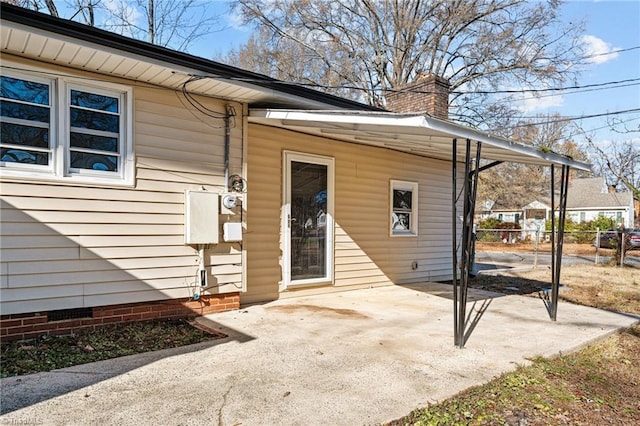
<point x="581" y="117"/>
<point x="610" y="53"/>
<point x="507" y="100"/>
<point x="454" y="92"/>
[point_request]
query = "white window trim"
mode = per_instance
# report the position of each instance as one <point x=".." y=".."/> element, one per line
<point x="404" y="186"/>
<point x="58" y="169"/>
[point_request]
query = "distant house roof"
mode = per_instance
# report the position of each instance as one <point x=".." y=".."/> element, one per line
<point x="541" y="203"/>
<point x="509" y="206"/>
<point x="593" y="193"/>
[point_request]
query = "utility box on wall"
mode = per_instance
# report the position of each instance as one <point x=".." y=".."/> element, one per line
<point x="201" y="217"/>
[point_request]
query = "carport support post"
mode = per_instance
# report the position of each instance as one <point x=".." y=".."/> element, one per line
<point x="469" y="192"/>
<point x="553" y="225"/>
<point x="454" y="231"/>
<point x="556" y="250"/>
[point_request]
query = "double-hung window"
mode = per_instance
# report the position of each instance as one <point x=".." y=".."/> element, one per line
<point x="404" y="208"/>
<point x="55" y="128"/>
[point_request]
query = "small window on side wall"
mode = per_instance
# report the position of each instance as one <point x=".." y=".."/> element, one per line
<point x="404" y="208"/>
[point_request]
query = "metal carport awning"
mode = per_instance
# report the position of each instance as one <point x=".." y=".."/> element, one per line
<point x="417" y="134"/>
<point x="423" y="135"/>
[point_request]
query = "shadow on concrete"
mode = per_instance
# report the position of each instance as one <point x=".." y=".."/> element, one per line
<point x="18" y="392"/>
<point x="480" y="300"/>
<point x="445" y="291"/>
<point x="481" y="267"/>
<point x="471" y="324"/>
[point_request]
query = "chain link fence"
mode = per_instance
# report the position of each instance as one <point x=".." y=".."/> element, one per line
<point x="601" y="246"/>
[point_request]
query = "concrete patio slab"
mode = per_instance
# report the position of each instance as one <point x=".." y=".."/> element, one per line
<point x="351" y="358"/>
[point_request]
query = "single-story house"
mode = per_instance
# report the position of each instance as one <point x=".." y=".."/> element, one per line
<point x="139" y="182"/>
<point x="504" y="212"/>
<point x="590" y="198"/>
<point x="531" y="217"/>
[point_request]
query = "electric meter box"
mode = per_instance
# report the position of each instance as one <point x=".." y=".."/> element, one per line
<point x="201" y="217"/>
<point x="228" y="203"/>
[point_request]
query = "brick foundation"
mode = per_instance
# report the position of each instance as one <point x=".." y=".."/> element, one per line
<point x="34" y="324"/>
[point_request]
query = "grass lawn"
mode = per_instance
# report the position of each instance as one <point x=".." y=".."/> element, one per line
<point x="597" y="385"/>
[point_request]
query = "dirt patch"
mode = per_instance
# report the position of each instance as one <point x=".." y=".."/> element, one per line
<point x="47" y="353"/>
<point x="323" y="310"/>
<point x="611" y="288"/>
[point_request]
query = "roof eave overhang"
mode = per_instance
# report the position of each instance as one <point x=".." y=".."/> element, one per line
<point x="258" y="89"/>
<point x="427" y="133"/>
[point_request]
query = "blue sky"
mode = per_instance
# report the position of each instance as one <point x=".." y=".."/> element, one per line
<point x="609" y="26"/>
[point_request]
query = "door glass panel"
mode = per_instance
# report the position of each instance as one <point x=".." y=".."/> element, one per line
<point x="308" y="220"/>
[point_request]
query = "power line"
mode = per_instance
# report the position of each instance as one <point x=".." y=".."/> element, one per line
<point x="610" y="53"/>
<point x="478" y="92"/>
<point x="507" y="100"/>
<point x="581" y="117"/>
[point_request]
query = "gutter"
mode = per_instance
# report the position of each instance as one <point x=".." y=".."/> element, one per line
<point x="121" y="43"/>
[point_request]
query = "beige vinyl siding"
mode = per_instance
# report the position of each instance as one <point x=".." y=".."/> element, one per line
<point x="69" y="246"/>
<point x="365" y="254"/>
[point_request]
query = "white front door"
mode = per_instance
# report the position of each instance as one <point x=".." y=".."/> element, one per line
<point x="307" y="224"/>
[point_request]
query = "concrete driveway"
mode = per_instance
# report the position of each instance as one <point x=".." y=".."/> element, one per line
<point x="351" y="358"/>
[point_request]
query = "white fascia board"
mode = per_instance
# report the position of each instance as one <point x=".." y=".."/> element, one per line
<point x="468" y="133"/>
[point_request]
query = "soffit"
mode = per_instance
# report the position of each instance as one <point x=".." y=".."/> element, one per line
<point x="57" y="48"/>
<point x="412" y="133"/>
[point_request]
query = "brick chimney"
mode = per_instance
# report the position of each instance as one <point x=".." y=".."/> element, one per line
<point x="428" y="93"/>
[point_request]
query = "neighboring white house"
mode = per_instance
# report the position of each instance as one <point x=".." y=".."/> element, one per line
<point x="534" y="218"/>
<point x="531" y="217"/>
<point x="590" y="198"/>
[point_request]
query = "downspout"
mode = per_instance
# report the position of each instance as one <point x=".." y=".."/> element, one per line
<point x="227" y="144"/>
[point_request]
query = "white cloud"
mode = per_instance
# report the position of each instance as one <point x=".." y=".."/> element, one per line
<point x="529" y="102"/>
<point x="598" y="51"/>
<point x="234" y="20"/>
<point x="128" y="13"/>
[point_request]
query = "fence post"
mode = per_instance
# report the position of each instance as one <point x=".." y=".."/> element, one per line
<point x="597" y="245"/>
<point x="535" y="258"/>
<point x="622" y="247"/>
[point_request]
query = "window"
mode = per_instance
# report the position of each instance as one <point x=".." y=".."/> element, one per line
<point x="404" y="208"/>
<point x="60" y="129"/>
<point x="26" y="121"/>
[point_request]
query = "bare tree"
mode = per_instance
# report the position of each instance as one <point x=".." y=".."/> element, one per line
<point x="619" y="163"/>
<point x="170" y="23"/>
<point x="368" y="47"/>
<point x="86" y="10"/>
<point x="519" y="184"/>
<point x="40" y="5"/>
